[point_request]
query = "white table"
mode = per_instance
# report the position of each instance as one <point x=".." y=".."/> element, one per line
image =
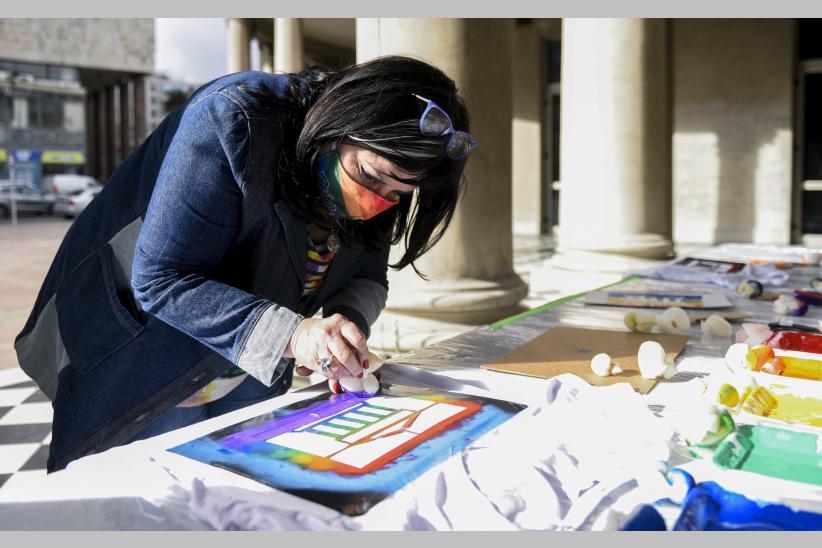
<point x="577" y="457"/>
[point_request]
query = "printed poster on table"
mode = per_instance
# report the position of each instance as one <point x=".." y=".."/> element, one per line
<point x="347" y="452"/>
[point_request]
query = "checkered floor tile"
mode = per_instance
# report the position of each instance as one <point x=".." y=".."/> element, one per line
<point x="25" y="429"/>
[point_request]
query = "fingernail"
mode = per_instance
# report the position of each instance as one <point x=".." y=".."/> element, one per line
<point x="365" y="364"/>
<point x="359" y="376"/>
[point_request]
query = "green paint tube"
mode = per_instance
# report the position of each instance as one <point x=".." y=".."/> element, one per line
<point x="773" y="452"/>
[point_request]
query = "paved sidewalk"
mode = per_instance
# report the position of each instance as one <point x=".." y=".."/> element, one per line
<point x="26" y="252"/>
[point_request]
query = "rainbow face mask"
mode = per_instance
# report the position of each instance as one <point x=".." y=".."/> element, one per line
<point x="343" y="196"/>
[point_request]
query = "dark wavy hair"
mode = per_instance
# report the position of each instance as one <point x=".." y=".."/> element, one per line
<point x="372" y="105"/>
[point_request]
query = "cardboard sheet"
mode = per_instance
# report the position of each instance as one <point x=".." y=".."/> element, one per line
<point x="570" y="349"/>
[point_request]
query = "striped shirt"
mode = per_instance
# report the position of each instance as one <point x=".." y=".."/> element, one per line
<point x="316" y="266"/>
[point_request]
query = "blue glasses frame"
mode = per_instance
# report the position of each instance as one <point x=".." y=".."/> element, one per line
<point x="469" y="140"/>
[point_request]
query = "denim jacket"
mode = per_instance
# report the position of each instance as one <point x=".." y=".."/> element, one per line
<point x="188" y="262"/>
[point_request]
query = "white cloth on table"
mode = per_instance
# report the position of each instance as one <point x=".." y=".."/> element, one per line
<point x="766" y="274"/>
<point x="560" y="464"/>
<point x="563" y="461"/>
<point x="235" y="509"/>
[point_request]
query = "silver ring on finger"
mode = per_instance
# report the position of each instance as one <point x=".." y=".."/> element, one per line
<point x="324" y="364"/>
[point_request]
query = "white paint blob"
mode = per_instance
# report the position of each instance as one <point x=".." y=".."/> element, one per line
<point x="735" y="356"/>
<point x="651" y="360"/>
<point x="673" y="320"/>
<point x="669" y="371"/>
<point x="717" y="326"/>
<point x="640" y="320"/>
<point x="370" y="384"/>
<point x="753" y="334"/>
<point x="601" y="365"/>
<point x="351" y="384"/>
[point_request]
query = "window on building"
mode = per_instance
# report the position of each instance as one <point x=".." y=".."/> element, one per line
<point x="33" y="111"/>
<point x="74" y="115"/>
<point x="554" y="61"/>
<point x="65" y="74"/>
<point x="48" y="72"/>
<point x="52" y="112"/>
<point x="810" y="38"/>
<point x="554" y="129"/>
<point x="20" y="113"/>
<point x="6" y="110"/>
<point x="46" y="111"/>
<point x="551" y="136"/>
<point x="809" y="160"/>
<point x="38" y="71"/>
<point x="812" y="156"/>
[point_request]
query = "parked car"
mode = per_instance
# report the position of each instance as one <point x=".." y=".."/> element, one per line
<point x="29" y="200"/>
<point x="73" y="203"/>
<point x="67" y="183"/>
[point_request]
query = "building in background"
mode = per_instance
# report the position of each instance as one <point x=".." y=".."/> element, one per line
<point x="72" y="93"/>
<point x="42" y="120"/>
<point x="156" y="95"/>
<point x="164" y="95"/>
<point x="807" y="206"/>
<point x="621" y="140"/>
<point x="289" y="45"/>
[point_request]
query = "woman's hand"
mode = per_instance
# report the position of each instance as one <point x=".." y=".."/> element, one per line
<point x="334" y="337"/>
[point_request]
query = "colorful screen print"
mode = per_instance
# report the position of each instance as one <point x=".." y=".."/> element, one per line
<point x="657" y="300"/>
<point x="346" y="452"/>
<point x="708" y="265"/>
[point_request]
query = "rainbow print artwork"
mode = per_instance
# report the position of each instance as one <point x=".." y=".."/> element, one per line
<point x="657" y="299"/>
<point x="654" y="300"/>
<point x="347" y="452"/>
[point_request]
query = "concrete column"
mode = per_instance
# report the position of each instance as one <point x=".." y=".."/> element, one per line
<point x="288" y="45"/>
<point x="471" y="275"/>
<point x="125" y="120"/>
<point x="140" y="110"/>
<point x="733" y="156"/>
<point x="266" y="57"/>
<point x="526" y="154"/>
<point x="615" y="198"/>
<point x="239" y="45"/>
<point x="92" y="134"/>
<point x="103" y="144"/>
<point x="111" y="129"/>
<point x="368" y="38"/>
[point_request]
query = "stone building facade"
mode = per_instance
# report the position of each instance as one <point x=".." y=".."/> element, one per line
<point x="122" y="45"/>
<point x="106" y="61"/>
<point x="627" y="140"/>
